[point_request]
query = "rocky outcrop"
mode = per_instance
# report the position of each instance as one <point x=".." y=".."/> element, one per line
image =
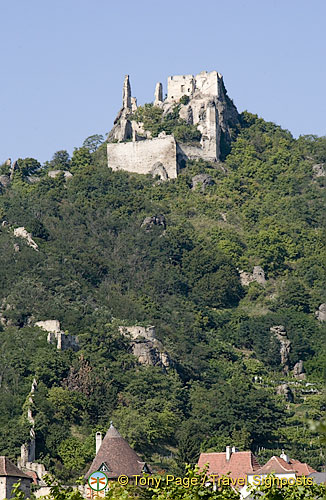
<point x="4" y="180"/>
<point x="298" y="370"/>
<point x="284" y="390"/>
<point x="20" y="232"/>
<point x="285" y="345"/>
<point x="54" y="173"/>
<point x="56" y="336"/>
<point x="156" y="220"/>
<point x="145" y="346"/>
<point x="159" y="170"/>
<point x="204" y="180"/>
<point x="319" y="170"/>
<point x="33" y="179"/>
<point x="257" y="275"/>
<point x="321" y="312"/>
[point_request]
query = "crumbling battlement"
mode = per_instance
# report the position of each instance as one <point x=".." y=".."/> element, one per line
<point x="208" y="108"/>
<point x="208" y="84"/>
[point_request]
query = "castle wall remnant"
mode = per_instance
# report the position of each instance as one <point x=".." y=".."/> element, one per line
<point x="57" y="336"/>
<point x="208" y="108"/>
<point x="142" y="156"/>
<point x="179" y="86"/>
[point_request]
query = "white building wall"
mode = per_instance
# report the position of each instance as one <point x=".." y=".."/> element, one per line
<point x="6" y="485"/>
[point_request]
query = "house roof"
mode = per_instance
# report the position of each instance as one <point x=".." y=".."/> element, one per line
<point x="118" y="457"/>
<point x="7" y="468"/>
<point x="240" y="463"/>
<point x="318" y="477"/>
<point x="32" y="474"/>
<point x="280" y="466"/>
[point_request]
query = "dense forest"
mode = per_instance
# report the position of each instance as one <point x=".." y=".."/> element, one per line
<point x="98" y="267"/>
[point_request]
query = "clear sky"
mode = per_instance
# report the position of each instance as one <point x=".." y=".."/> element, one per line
<point x="63" y="62"/>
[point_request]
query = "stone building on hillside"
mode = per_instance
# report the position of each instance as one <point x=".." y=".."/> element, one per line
<point x="10" y="475"/>
<point x="115" y="457"/>
<point x="204" y="103"/>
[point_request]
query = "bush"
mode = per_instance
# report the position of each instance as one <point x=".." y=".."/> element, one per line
<point x="186" y="133"/>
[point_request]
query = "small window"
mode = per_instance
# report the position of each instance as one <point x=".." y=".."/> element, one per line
<point x="188" y="90"/>
<point x="182" y="88"/>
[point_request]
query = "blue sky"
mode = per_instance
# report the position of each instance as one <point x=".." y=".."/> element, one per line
<point x="63" y="62"/>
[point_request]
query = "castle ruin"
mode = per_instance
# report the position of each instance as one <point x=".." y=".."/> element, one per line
<point x="204" y="103"/>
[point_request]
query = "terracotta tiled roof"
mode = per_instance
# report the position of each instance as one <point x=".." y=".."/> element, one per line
<point x="117" y="455"/>
<point x="302" y="469"/>
<point x="7" y="468"/>
<point x="33" y="476"/>
<point x="240" y="463"/>
<point x="280" y="466"/>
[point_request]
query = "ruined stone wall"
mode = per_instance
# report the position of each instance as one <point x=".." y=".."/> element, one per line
<point x="142" y="156"/>
<point x="208" y="83"/>
<point x="190" y="152"/>
<point x="205" y="83"/>
<point x="180" y="85"/>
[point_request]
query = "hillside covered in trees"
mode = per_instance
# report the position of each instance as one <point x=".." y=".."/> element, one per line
<point x="98" y="267"/>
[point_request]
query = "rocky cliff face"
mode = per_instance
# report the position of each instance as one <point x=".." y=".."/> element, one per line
<point x="145" y="346"/>
<point x="285" y="345"/>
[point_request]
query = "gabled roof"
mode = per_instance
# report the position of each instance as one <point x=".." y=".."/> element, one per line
<point x="7" y="468"/>
<point x="118" y="457"/>
<point x="279" y="466"/>
<point x="240" y="463"/>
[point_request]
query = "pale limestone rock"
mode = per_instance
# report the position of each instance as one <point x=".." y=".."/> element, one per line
<point x="156" y="220"/>
<point x="158" y="96"/>
<point x="20" y="232"/>
<point x="259" y="275"/>
<point x="245" y="278"/>
<point x="298" y="370"/>
<point x="133" y="104"/>
<point x="54" y="173"/>
<point x="284" y="390"/>
<point x="285" y="345"/>
<point x="145" y="346"/>
<point x="14" y="166"/>
<point x="8" y="162"/>
<point x="204" y="180"/>
<point x="33" y="179"/>
<point x="159" y="170"/>
<point x="319" y="170"/>
<point x="321" y="312"/>
<point x="16" y="247"/>
<point x="126" y="95"/>
<point x="4" y="180"/>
